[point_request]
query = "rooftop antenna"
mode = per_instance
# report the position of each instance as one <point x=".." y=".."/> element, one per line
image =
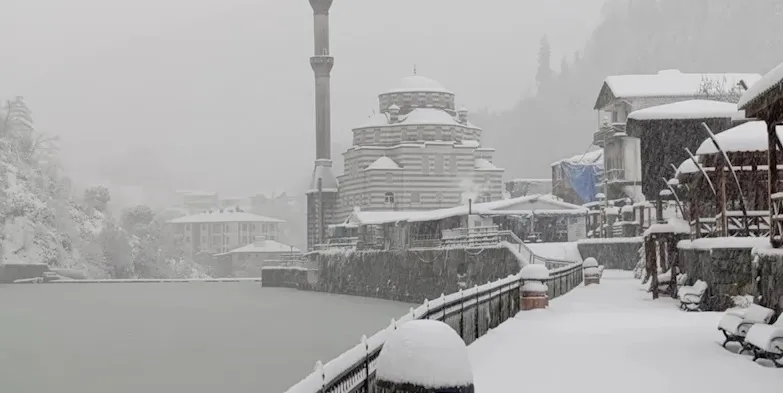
<point x="414" y="69"/>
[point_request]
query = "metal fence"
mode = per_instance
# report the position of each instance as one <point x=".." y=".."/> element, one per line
<point x="471" y="313"/>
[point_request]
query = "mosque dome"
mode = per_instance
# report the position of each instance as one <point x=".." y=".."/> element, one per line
<point x="417" y="84"/>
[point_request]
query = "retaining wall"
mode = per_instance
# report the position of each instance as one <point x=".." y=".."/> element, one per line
<point x="19" y="271"/>
<point x="725" y="264"/>
<point x="410" y="275"/>
<point x="620" y="253"/>
<point x="288" y="277"/>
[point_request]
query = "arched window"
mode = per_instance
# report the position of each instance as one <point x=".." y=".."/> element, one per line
<point x="439" y="197"/>
<point x="388" y="198"/>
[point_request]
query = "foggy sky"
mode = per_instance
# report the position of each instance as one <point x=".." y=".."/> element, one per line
<point x="218" y="94"/>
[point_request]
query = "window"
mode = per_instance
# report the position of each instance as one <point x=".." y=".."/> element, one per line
<point x="244" y="227"/>
<point x="421" y="135"/>
<point x="453" y="164"/>
<point x="425" y="164"/>
<point x="439" y="163"/>
<point x="216" y="227"/>
<point x="187" y="227"/>
<point x="438" y="134"/>
<point x="388" y="198"/>
<point x="453" y="135"/>
<point x="227" y="241"/>
<point x="439" y="197"/>
<point x="486" y="179"/>
<point x="415" y="197"/>
<point x="389" y="178"/>
<point x="227" y="229"/>
<point x="378" y="136"/>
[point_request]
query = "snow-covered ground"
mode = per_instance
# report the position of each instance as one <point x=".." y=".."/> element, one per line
<point x="614" y="338"/>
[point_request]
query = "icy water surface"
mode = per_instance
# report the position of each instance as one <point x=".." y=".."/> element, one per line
<point x="174" y="338"/>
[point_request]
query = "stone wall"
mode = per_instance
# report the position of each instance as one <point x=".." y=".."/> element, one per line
<point x="770" y="283"/>
<point x="19" y="271"/>
<point x="411" y="275"/>
<point x="288" y="277"/>
<point x="727" y="270"/>
<point x="612" y="253"/>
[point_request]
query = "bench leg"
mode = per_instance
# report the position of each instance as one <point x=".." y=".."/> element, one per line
<point x="727" y="340"/>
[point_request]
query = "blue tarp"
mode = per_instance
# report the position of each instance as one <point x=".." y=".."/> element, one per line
<point x="583" y="178"/>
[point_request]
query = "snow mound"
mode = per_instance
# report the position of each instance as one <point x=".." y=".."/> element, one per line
<point x="425" y="353"/>
<point x="535" y="272"/>
<point x="590" y="262"/>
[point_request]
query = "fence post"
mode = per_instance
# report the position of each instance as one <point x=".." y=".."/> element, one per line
<point x="461" y="314"/>
<point x="427" y="303"/>
<point x="319" y="368"/>
<point x="413" y="313"/>
<point x="366" y="364"/>
<point x="443" y="306"/>
<point x="476" y="313"/>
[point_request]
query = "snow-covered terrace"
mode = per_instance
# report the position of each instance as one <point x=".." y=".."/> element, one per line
<point x="612" y="338"/>
<point x="224" y="216"/>
<point x="514" y="206"/>
<point x="689" y="110"/>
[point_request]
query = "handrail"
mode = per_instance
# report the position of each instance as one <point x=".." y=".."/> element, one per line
<point x="471" y="313"/>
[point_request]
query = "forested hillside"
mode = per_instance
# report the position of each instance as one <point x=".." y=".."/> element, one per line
<point x="42" y="222"/>
<point x="635" y="36"/>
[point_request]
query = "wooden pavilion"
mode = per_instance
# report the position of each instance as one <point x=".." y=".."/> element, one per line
<point x="764" y="101"/>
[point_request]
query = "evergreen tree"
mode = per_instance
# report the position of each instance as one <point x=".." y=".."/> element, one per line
<point x="544" y="73"/>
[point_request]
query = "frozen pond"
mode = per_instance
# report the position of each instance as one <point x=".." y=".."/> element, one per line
<point x="174" y="338"/>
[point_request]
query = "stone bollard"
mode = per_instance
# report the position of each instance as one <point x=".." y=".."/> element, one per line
<point x="533" y="294"/>
<point x="424" y="356"/>
<point x="591" y="271"/>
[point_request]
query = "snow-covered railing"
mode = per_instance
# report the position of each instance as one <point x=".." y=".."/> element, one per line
<point x="471" y="313"/>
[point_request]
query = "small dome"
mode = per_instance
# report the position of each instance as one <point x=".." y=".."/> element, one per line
<point x="417" y="83"/>
<point x="462" y="109"/>
<point x="425" y="353"/>
<point x="590" y="262"/>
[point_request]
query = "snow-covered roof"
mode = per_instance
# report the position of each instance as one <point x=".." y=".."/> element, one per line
<point x="223" y="217"/>
<point x="595" y="157"/>
<point x="750" y="136"/>
<point x="264" y="246"/>
<point x="670" y="83"/>
<point x="687" y="166"/>
<point x="765" y="84"/>
<point x="512" y="206"/>
<point x="427" y="354"/>
<point x="482" y="164"/>
<point x="418" y="116"/>
<point x="417" y="84"/>
<point x="692" y="109"/>
<point x="383" y="163"/>
<point x="673" y="225"/>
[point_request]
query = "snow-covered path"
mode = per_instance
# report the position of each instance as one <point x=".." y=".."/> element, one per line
<point x="614" y="338"/>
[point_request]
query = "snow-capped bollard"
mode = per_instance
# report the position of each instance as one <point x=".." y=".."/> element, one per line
<point x="424" y="356"/>
<point x="533" y="294"/>
<point x="591" y="271"/>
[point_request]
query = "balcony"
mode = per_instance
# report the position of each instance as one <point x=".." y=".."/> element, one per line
<point x="607" y="133"/>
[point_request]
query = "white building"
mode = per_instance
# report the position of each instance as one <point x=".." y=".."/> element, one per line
<point x="417" y="153"/>
<point x="621" y="95"/>
<point x="219" y="232"/>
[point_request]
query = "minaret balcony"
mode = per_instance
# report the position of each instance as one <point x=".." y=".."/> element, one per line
<point x="322" y="65"/>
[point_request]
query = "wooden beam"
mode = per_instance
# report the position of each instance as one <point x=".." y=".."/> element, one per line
<point x="772" y="184"/>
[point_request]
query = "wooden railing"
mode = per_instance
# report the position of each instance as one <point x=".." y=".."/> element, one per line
<point x="777" y="216"/>
<point x="757" y="222"/>
<point x="471" y="313"/>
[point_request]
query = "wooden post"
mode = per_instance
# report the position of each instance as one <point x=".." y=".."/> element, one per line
<point x="772" y="161"/>
<point x="675" y="259"/>
<point x="719" y="167"/>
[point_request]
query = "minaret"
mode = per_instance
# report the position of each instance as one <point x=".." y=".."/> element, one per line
<point x="322" y="195"/>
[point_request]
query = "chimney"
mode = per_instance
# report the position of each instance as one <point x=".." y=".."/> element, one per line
<point x="394" y="113"/>
<point x="462" y="113"/>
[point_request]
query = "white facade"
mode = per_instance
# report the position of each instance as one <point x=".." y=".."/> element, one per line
<point x="418" y="153"/>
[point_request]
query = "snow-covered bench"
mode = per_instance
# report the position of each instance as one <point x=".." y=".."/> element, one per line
<point x="691" y="295"/>
<point x="766" y="341"/>
<point x="665" y="279"/>
<point x="736" y="322"/>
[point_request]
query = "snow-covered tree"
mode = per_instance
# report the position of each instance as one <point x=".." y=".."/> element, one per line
<point x="97" y="198"/>
<point x="544" y="72"/>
